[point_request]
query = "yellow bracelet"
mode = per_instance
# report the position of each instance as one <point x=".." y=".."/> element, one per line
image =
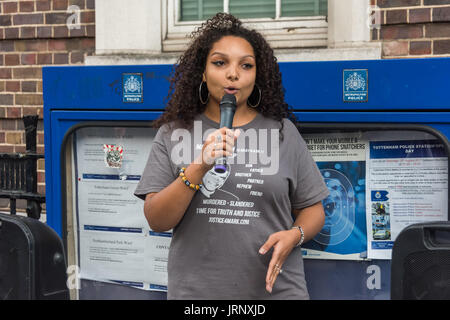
<point x="194" y="187"/>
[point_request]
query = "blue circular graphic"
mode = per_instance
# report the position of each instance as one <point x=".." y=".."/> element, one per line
<point x="339" y="209"/>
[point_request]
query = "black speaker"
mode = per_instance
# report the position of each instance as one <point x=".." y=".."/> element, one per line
<point x="32" y="261"/>
<point x="420" y="267"/>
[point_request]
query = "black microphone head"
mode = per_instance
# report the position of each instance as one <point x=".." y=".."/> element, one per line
<point x="228" y="100"/>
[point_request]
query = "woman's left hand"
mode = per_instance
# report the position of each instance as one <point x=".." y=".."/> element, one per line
<point x="282" y="242"/>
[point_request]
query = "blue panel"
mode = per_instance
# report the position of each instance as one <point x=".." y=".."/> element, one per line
<point x="101" y="87"/>
<point x="403" y="84"/>
<point x="398" y="84"/>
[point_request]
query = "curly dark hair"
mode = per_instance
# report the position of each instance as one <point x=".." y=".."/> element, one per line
<point x="183" y="98"/>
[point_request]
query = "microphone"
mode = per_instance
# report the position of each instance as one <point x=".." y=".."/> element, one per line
<point x="227" y="109"/>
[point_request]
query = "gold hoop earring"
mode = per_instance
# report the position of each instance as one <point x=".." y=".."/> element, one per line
<point x="200" y="93"/>
<point x="259" y="98"/>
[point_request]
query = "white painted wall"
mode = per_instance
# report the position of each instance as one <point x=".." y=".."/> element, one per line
<point x="132" y="32"/>
<point x="132" y="26"/>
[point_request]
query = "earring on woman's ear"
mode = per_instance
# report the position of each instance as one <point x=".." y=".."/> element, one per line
<point x="255" y="105"/>
<point x="200" y="95"/>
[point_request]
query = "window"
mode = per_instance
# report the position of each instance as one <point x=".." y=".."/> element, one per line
<point x="285" y="23"/>
<point x="192" y="10"/>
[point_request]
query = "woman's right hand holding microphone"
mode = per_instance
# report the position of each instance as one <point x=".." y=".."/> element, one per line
<point x="218" y="144"/>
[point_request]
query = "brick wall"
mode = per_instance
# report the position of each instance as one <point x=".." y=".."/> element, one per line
<point x="34" y="33"/>
<point x="413" y="28"/>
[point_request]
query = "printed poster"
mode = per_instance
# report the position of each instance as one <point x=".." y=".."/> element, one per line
<point x="341" y="160"/>
<point x="115" y="242"/>
<point x="408" y="183"/>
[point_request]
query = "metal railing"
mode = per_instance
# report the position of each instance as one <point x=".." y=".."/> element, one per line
<point x="18" y="173"/>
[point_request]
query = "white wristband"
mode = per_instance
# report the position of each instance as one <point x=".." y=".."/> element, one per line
<point x="302" y="233"/>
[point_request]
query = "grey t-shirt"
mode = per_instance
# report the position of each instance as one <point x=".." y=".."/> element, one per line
<point x="214" y="249"/>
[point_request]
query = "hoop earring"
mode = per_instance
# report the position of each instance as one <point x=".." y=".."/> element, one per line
<point x="200" y="93"/>
<point x="259" y="98"/>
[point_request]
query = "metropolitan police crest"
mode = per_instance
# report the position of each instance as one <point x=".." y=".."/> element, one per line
<point x="355" y="82"/>
<point x="132" y="87"/>
<point x="355" y="85"/>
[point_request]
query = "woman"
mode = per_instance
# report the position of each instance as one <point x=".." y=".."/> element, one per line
<point x="235" y="235"/>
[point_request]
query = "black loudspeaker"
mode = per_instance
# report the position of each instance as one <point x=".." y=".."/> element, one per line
<point x="32" y="261"/>
<point x="420" y="268"/>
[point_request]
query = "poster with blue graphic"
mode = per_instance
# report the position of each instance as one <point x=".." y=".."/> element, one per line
<point x="407" y="183"/>
<point x="341" y="160"/>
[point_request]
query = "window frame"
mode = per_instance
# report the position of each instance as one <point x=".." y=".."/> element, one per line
<point x="281" y="32"/>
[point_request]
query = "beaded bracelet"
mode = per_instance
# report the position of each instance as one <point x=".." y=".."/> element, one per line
<point x="187" y="182"/>
<point x="302" y="235"/>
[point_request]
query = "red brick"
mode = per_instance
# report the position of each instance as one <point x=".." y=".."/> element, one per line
<point x="5" y="20"/>
<point x="44" y="32"/>
<point x="54" y="45"/>
<point x="78" y="3"/>
<point x="6" y="99"/>
<point x="397" y="3"/>
<point x="31" y="45"/>
<point x="420" y="47"/>
<point x="40" y="138"/>
<point x="28" y="32"/>
<point x="20" y="149"/>
<point x="90" y="31"/>
<point x="30" y="111"/>
<point x="43" y="5"/>
<point x="12" y="86"/>
<point x="26" y="6"/>
<point x="41" y="189"/>
<point x="11" y="33"/>
<point x="419" y="15"/>
<point x="401" y="32"/>
<point x="12" y="59"/>
<point x="14" y="137"/>
<point x="60" y="4"/>
<point x="28" y="18"/>
<point x="78" y="32"/>
<point x="5" y="73"/>
<point x="441" y="14"/>
<point x="7" y="45"/>
<point x="441" y="46"/>
<point x="28" y="58"/>
<point x="61" y="58"/>
<point x="60" y="32"/>
<point x="2" y="137"/>
<point x="395" y="48"/>
<point x="437" y="30"/>
<point x="77" y="57"/>
<point x="87" y="17"/>
<point x="396" y="16"/>
<point x="56" y="18"/>
<point x="29" y="86"/>
<point x="88" y="43"/>
<point x="9" y="7"/>
<point x="90" y="4"/>
<point x="44" y="58"/>
<point x="6" y="149"/>
<point x="29" y="99"/>
<point x="14" y="112"/>
<point x="437" y="2"/>
<point x="27" y="73"/>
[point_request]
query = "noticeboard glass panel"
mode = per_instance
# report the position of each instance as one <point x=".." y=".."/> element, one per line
<point x="380" y="181"/>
